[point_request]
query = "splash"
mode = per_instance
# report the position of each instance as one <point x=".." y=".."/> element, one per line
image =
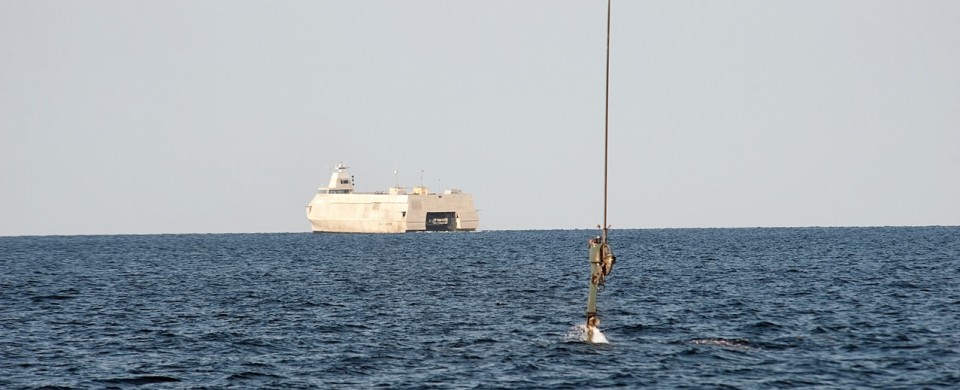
<point x="579" y="333"/>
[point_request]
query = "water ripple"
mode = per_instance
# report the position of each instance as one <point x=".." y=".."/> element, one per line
<point x="694" y="308"/>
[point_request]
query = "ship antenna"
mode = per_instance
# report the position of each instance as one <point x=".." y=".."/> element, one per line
<point x="396" y="174"/>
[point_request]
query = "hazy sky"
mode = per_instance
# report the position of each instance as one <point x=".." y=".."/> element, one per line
<point x="225" y="116"/>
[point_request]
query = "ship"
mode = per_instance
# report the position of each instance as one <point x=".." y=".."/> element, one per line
<point x="338" y="208"/>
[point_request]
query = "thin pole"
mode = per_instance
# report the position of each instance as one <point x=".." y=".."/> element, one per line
<point x="606" y="132"/>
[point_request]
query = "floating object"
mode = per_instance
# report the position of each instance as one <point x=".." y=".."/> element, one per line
<point x="337" y="208"/>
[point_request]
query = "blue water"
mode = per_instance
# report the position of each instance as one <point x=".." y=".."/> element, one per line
<point x="684" y="308"/>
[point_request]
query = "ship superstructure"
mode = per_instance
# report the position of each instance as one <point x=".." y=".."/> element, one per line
<point x="338" y="208"/>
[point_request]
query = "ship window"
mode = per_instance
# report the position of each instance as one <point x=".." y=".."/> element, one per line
<point x="344" y="181"/>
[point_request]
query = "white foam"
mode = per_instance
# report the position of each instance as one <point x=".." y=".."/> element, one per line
<point x="580" y="333"/>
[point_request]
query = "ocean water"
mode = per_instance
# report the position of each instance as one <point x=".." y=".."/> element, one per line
<point x="683" y="308"/>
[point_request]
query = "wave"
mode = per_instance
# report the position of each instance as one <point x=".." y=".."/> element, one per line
<point x="141" y="380"/>
<point x="251" y="375"/>
<point x="723" y="342"/>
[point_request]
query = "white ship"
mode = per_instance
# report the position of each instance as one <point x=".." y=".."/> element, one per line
<point x="338" y="208"/>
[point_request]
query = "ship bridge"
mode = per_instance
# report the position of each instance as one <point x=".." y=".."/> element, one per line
<point x="341" y="182"/>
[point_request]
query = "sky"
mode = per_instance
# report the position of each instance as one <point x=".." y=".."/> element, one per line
<point x="142" y="117"/>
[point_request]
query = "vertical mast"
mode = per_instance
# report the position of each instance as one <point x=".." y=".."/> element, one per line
<point x="600" y="255"/>
<point x="606" y="121"/>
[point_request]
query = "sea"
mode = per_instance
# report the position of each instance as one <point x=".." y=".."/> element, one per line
<point x="745" y="308"/>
